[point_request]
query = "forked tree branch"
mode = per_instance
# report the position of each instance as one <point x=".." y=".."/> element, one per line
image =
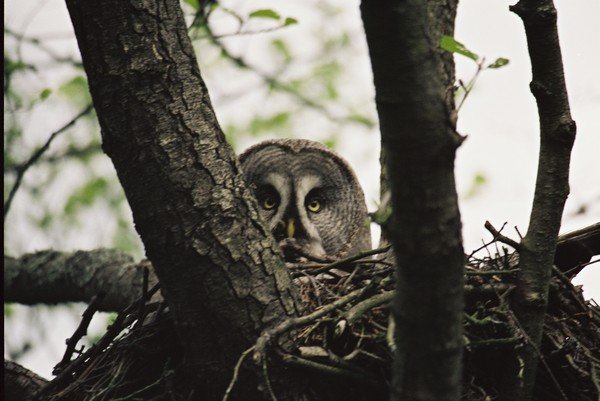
<point x="219" y="268"/>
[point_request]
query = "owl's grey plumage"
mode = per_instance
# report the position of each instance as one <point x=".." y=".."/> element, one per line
<point x="309" y="196"/>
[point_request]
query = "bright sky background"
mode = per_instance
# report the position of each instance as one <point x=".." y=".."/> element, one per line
<point x="499" y="117"/>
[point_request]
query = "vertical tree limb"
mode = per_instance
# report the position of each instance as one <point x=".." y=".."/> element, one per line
<point x="557" y="134"/>
<point x="419" y="138"/>
<point x="218" y="266"/>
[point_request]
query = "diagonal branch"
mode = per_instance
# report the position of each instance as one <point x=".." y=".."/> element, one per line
<point x="22" y="169"/>
<point x="219" y="268"/>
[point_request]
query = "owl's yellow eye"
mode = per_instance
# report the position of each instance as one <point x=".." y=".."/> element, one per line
<point x="314" y="205"/>
<point x="269" y="203"/>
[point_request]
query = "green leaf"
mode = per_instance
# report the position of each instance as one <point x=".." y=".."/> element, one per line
<point x="86" y="195"/>
<point x="76" y="90"/>
<point x="9" y="310"/>
<point x="125" y="238"/>
<point x="45" y="93"/>
<point x="290" y="21"/>
<point x="11" y="66"/>
<point x="275" y="122"/>
<point x="499" y="63"/>
<point x="479" y="181"/>
<point x="264" y="13"/>
<point x="195" y="4"/>
<point x="331" y="142"/>
<point x="451" y="45"/>
<point x="281" y="47"/>
<point x="382" y="215"/>
<point x="362" y="119"/>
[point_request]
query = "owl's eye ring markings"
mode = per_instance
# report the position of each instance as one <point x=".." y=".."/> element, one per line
<point x="314" y="205"/>
<point x="269" y="203"/>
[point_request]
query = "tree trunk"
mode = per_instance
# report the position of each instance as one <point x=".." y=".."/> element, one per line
<point x="417" y="119"/>
<point x="219" y="268"/>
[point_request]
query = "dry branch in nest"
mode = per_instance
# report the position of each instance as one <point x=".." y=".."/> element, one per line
<point x="345" y="342"/>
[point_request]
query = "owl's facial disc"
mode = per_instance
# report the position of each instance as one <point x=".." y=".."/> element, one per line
<point x="286" y="205"/>
<point x="309" y="196"/>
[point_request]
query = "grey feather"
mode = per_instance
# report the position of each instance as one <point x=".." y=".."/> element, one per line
<point x="309" y="196"/>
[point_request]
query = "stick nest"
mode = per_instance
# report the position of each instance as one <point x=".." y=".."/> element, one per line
<point x="348" y="348"/>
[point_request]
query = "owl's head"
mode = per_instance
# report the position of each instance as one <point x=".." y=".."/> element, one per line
<point x="309" y="196"/>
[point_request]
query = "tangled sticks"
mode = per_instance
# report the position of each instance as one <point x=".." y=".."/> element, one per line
<point x="345" y="337"/>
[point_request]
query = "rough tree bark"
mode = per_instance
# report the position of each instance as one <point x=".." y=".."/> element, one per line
<point x="20" y="383"/>
<point x="53" y="277"/>
<point x="418" y="129"/>
<point x="218" y="266"/>
<point x="557" y="134"/>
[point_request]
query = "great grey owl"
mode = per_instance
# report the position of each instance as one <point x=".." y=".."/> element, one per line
<point x="310" y="198"/>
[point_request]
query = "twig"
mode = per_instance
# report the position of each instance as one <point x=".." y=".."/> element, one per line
<point x="79" y="332"/>
<point x="528" y="339"/>
<point x="142" y="312"/>
<point x="267" y="380"/>
<point x="273" y="82"/>
<point x="360" y="308"/>
<point x="485" y="244"/>
<point x="327" y="369"/>
<point x="111" y="333"/>
<point x="36" y="155"/>
<point x="502" y="238"/>
<point x="258" y="31"/>
<point x="469" y="87"/>
<point x="495" y="342"/>
<point x="268" y="335"/>
<point x="38" y="43"/>
<point x="236" y="372"/>
<point x="347" y="260"/>
<point x="476" y="272"/>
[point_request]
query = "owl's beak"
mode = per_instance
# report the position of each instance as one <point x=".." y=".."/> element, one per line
<point x="290" y="228"/>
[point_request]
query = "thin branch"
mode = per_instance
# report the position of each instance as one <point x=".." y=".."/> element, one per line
<point x="273" y="82"/>
<point x="364" y="306"/>
<point x="329" y="370"/>
<point x="40" y="45"/>
<point x="79" y="332"/>
<point x="120" y="323"/>
<point x="471" y="84"/>
<point x="346" y="261"/>
<point x="36" y="155"/>
<point x="269" y="335"/>
<point x="557" y="135"/>
<point x="502" y="238"/>
<point x="476" y="272"/>
<point x="236" y="372"/>
<point x="485" y="244"/>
